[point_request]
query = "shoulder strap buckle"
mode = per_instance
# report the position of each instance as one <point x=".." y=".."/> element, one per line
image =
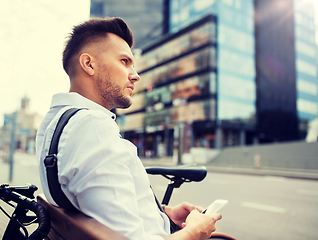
<point x="50" y="160"/>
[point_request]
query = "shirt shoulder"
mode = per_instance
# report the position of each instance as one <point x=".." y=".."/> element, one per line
<point x="89" y="116"/>
<point x="91" y="124"/>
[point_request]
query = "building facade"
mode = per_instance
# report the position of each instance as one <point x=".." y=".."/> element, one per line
<point x="286" y="69"/>
<point x="236" y="89"/>
<point x="179" y="90"/>
<point x="235" y="78"/>
<point x="209" y="97"/>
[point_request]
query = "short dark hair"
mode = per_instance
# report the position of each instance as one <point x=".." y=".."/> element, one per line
<point x="87" y="31"/>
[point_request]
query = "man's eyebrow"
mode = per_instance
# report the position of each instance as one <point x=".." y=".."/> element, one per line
<point x="128" y="57"/>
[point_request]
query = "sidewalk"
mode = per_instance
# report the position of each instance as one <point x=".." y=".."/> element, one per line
<point x="279" y="172"/>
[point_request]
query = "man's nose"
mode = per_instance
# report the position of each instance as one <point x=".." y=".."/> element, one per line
<point x="133" y="76"/>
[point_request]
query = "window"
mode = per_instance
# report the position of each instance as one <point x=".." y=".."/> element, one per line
<point x="229" y="110"/>
<point x="236" y="87"/>
<point x="306" y="87"/>
<point x="180" y="92"/>
<point x="196" y="110"/>
<point x="175" y="18"/>
<point x="131" y="122"/>
<point x="200" y="5"/>
<point x="195" y="38"/>
<point x="236" y="62"/>
<point x="184" y="14"/>
<point x="236" y="39"/>
<point x="212" y="82"/>
<point x="175" y="5"/>
<point x="307" y="106"/>
<point x="305" y="49"/>
<point x="307" y="68"/>
<point x="189" y="64"/>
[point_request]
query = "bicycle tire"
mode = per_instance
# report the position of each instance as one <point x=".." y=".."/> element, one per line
<point x="222" y="236"/>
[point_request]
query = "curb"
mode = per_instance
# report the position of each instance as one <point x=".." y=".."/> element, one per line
<point x="302" y="174"/>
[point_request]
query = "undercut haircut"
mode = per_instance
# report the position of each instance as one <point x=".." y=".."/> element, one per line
<point x="91" y="30"/>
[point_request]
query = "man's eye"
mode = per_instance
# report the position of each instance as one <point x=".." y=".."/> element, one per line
<point x="125" y="60"/>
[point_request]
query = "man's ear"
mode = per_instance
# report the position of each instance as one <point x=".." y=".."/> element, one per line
<point x="85" y="61"/>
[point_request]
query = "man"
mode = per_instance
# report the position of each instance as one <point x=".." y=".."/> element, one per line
<point x="100" y="173"/>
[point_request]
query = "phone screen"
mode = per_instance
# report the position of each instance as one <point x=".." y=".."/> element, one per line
<point x="216" y="206"/>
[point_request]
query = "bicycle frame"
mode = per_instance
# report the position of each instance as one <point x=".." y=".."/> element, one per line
<point x="178" y="175"/>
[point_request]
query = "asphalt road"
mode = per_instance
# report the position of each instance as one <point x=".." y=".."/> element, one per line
<point x="260" y="207"/>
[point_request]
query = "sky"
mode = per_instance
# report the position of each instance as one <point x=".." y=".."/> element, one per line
<point x="32" y="38"/>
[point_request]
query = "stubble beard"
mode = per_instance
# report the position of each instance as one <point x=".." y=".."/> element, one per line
<point x="111" y="93"/>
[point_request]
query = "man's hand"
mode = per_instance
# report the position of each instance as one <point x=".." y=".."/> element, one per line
<point x="197" y="226"/>
<point x="179" y="213"/>
<point x="203" y="223"/>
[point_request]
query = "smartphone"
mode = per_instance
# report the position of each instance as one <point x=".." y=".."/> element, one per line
<point x="216" y="206"/>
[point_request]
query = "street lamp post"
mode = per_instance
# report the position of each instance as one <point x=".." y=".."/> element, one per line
<point x="12" y="143"/>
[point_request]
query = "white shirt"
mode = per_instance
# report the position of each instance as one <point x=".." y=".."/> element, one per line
<point x="100" y="172"/>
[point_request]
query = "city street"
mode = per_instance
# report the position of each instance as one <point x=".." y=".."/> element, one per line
<point x="260" y="207"/>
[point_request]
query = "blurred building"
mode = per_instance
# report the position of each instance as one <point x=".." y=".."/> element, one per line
<point x="25" y="124"/>
<point x="285" y="58"/>
<point x="178" y="85"/>
<point x="144" y="17"/>
<point x="286" y="66"/>
<point x="227" y="73"/>
<point x="194" y="75"/>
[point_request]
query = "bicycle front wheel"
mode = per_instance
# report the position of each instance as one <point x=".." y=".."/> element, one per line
<point x="222" y="236"/>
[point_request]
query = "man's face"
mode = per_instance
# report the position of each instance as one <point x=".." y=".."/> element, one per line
<point x="115" y="74"/>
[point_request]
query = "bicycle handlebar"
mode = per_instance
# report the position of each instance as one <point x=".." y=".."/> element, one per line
<point x="43" y="219"/>
<point x="7" y="194"/>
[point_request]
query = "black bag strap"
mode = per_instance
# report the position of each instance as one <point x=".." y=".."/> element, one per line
<point x="50" y="162"/>
<point x="173" y="227"/>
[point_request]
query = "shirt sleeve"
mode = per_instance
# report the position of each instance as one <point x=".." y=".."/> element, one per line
<point x="96" y="170"/>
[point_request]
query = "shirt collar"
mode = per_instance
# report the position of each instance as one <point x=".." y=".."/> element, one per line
<point x="76" y="100"/>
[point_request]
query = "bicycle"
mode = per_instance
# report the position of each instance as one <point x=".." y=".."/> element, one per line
<point x="22" y="197"/>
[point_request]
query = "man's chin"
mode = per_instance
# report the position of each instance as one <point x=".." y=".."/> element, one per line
<point x="125" y="106"/>
<point x="123" y="102"/>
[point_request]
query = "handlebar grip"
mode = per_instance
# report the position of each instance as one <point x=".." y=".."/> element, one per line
<point x="43" y="219"/>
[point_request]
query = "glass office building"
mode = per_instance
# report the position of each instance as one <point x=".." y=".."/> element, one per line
<point x="178" y="85"/>
<point x="189" y="77"/>
<point x="235" y="83"/>
<point x="286" y="69"/>
<point x="201" y="74"/>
